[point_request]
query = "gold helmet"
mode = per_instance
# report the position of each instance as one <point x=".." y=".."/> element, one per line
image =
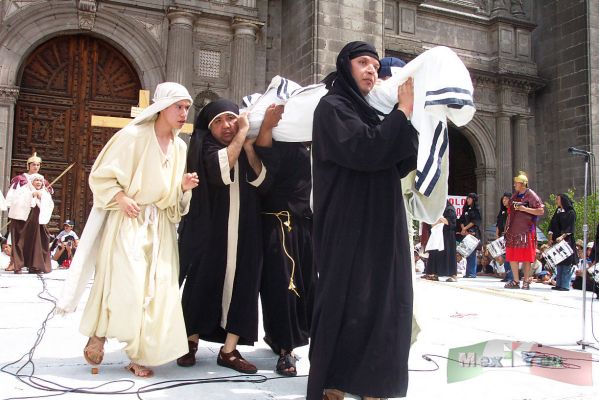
<point x="522" y="178"/>
<point x="34" y="158"/>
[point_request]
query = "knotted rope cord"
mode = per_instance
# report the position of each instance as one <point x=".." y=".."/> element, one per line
<point x="287" y="223"/>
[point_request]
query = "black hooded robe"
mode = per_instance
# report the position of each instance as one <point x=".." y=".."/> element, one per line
<point x="443" y="263"/>
<point x="565" y="222"/>
<point x="212" y="239"/>
<point x="286" y="315"/>
<point x="362" y="322"/>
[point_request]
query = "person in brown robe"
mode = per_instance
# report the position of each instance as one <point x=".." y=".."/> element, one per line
<point x="30" y="207"/>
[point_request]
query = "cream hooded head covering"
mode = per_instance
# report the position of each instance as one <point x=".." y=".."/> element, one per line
<point x="166" y="94"/>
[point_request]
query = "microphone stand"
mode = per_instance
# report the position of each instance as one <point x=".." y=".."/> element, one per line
<point x="585" y="232"/>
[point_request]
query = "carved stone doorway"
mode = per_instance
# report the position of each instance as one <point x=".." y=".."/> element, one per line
<point x="63" y="82"/>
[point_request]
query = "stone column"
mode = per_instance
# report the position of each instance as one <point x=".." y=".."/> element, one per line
<point x="8" y="99"/>
<point x="487" y="196"/>
<point x="503" y="152"/>
<point x="243" y="59"/>
<point x="521" y="153"/>
<point x="179" y="53"/>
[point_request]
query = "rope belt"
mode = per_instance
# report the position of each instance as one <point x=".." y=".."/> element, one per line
<point x="287" y="223"/>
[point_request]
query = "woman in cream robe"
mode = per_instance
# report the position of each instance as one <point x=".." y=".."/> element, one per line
<point x="135" y="294"/>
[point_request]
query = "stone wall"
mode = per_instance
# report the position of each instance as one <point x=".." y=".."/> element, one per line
<point x="562" y="108"/>
<point x="594" y="84"/>
<point x="340" y="22"/>
<point x="297" y="41"/>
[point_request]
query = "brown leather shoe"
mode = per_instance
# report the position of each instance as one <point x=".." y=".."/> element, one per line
<point x="189" y="359"/>
<point x="234" y="361"/>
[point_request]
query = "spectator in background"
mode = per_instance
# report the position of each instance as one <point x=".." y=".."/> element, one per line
<point x="469" y="224"/>
<point x="5" y="262"/>
<point x="65" y="245"/>
<point x="589" y="252"/>
<point x="484" y="268"/>
<point x="562" y="228"/>
<point x="502" y="215"/>
<point x="498" y="264"/>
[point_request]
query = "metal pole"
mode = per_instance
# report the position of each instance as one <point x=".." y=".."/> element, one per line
<point x="585" y="230"/>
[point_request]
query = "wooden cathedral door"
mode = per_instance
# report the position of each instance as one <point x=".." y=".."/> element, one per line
<point x="63" y="82"/>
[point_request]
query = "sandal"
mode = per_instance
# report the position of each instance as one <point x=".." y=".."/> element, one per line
<point x="525" y="285"/>
<point x="286" y="365"/>
<point x="189" y="359"/>
<point x="93" y="352"/>
<point x="512" y="285"/>
<point x="333" y="394"/>
<point x="451" y="279"/>
<point x="139" y="370"/>
<point x="235" y="361"/>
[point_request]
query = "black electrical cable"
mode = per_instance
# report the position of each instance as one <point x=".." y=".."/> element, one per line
<point x="57" y="389"/>
<point x="543" y="360"/>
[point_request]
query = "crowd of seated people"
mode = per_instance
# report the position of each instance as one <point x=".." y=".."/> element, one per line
<point x="62" y="248"/>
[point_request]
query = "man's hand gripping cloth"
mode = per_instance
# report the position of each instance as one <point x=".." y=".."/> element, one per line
<point x="300" y="103"/>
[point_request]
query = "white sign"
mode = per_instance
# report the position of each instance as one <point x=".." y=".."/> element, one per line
<point x="458" y="203"/>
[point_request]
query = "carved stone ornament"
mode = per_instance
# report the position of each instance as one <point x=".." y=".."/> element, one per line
<point x="10" y="7"/>
<point x="86" y="11"/>
<point x="9" y="94"/>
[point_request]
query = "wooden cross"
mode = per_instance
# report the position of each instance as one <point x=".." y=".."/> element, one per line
<point x="116" y="122"/>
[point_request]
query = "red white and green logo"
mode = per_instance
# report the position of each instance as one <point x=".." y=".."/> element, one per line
<point x="549" y="362"/>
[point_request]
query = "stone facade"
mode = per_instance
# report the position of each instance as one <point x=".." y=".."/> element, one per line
<point x="563" y="112"/>
<point x="529" y="61"/>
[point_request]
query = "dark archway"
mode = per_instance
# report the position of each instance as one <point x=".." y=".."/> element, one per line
<point x="63" y="82"/>
<point x="462" y="164"/>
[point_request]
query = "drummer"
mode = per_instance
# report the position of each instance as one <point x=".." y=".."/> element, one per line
<point x="562" y="228"/>
<point x="521" y="231"/>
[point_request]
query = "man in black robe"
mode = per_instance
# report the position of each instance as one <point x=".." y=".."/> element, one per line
<point x="288" y="274"/>
<point x="362" y="321"/>
<point x="222" y="264"/>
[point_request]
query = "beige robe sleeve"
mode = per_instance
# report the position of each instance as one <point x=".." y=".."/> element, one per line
<point x="180" y="206"/>
<point x="114" y="169"/>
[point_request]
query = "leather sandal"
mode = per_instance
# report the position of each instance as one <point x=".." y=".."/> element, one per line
<point x="139" y="370"/>
<point x="285" y="364"/>
<point x="525" y="285"/>
<point x="512" y="285"/>
<point x="93" y="352"/>
<point x="189" y="359"/>
<point x="333" y="394"/>
<point x="235" y="361"/>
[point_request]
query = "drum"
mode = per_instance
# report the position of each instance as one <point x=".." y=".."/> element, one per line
<point x="468" y="245"/>
<point x="497" y="247"/>
<point x="558" y="253"/>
